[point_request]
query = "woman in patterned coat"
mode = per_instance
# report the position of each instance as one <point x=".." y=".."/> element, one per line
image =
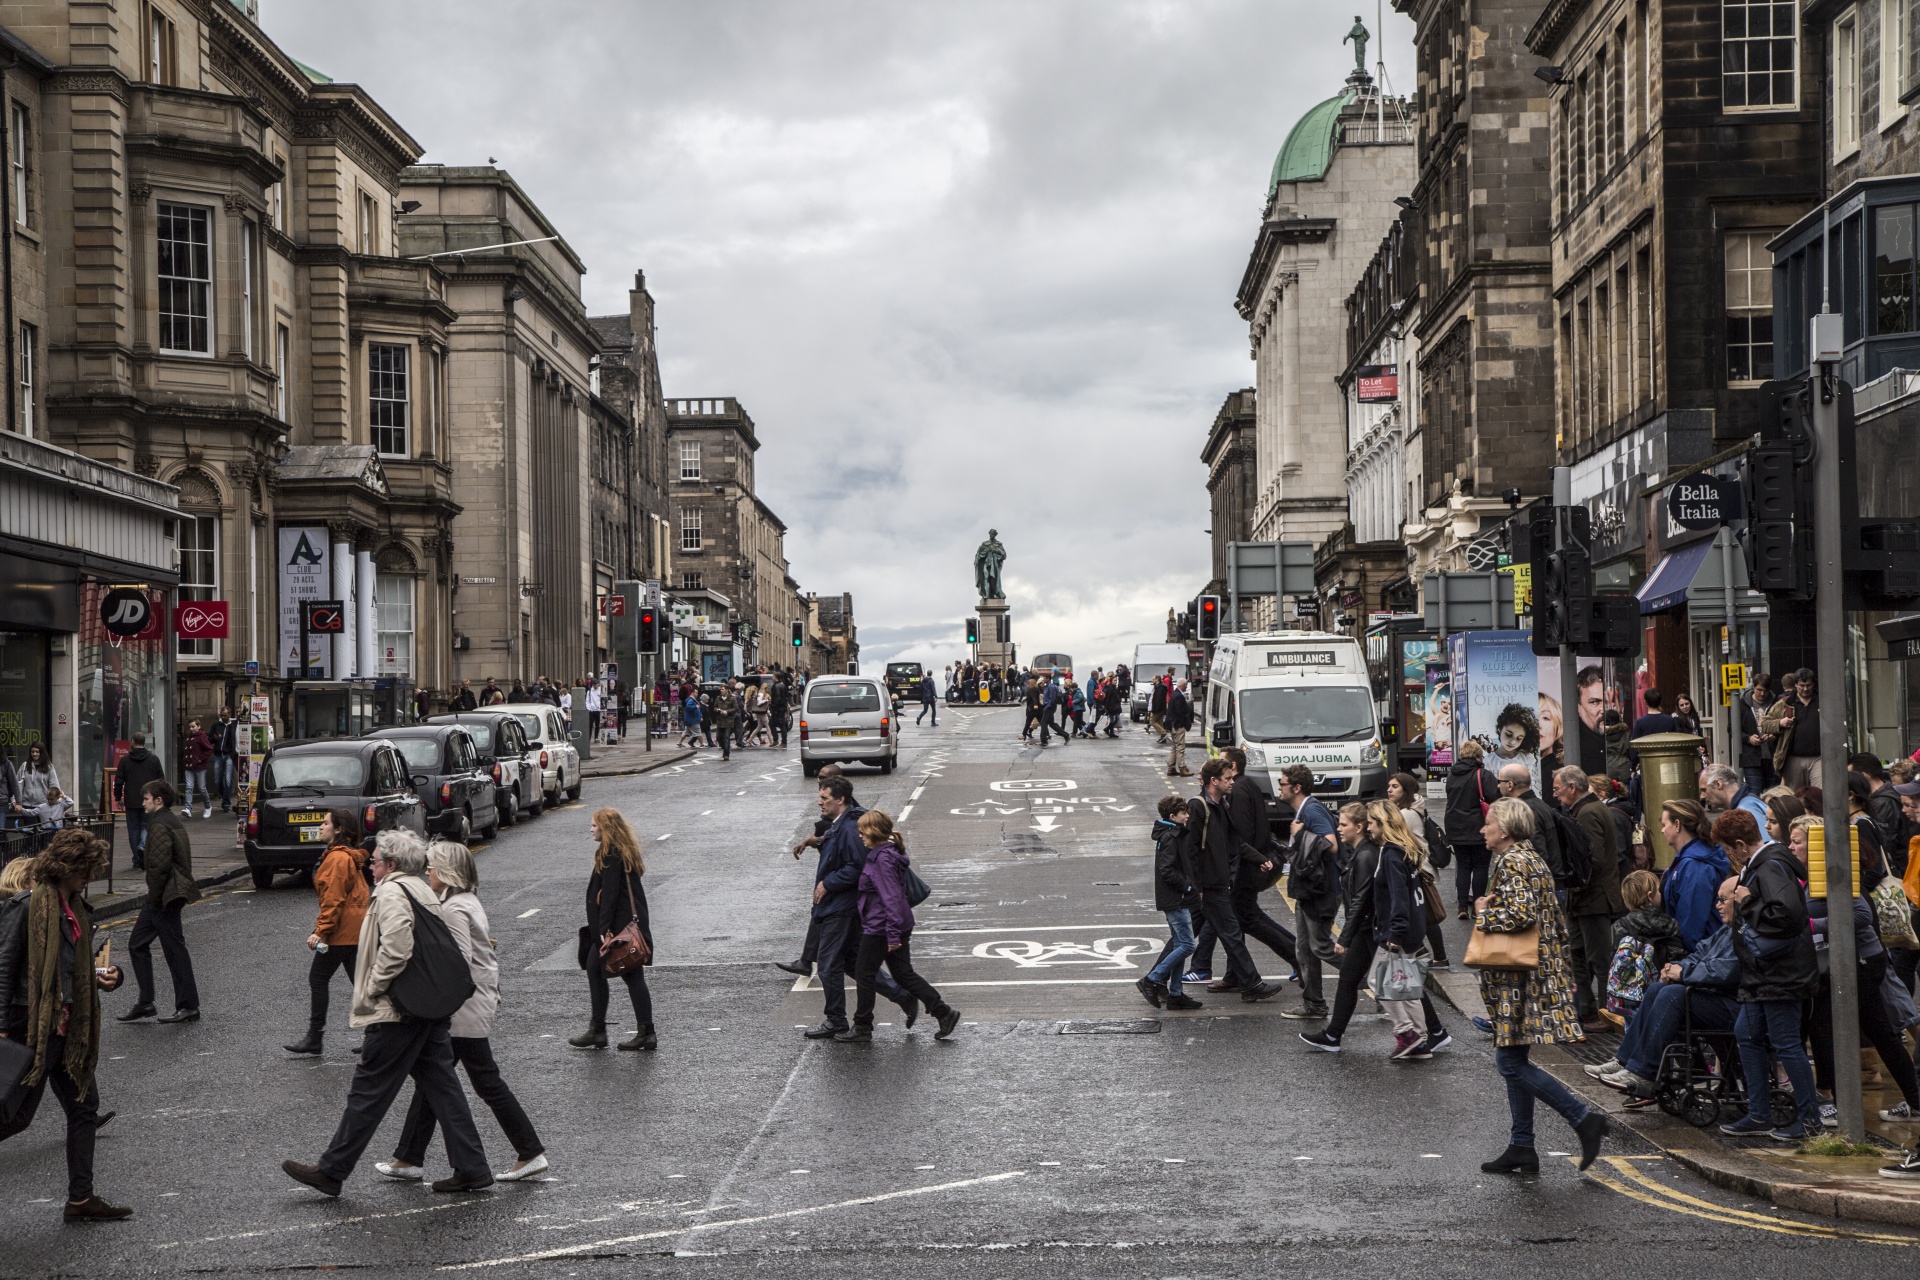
<point x="1529" y="1006"/>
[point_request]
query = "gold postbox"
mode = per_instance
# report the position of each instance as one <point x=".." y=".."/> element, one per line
<point x="1669" y="770"/>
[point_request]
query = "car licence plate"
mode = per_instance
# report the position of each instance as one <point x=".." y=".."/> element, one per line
<point x="298" y="818"/>
<point x="846" y="733"/>
<point x="309" y="835"/>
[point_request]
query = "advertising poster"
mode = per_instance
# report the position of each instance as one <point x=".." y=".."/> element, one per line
<point x="305" y="574"/>
<point x="1439" y="715"/>
<point x="1496" y="692"/>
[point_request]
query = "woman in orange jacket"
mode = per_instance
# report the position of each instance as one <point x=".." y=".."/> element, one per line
<point x="340" y="882"/>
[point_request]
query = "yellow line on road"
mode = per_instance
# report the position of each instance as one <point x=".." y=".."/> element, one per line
<point x="1676" y="1201"/>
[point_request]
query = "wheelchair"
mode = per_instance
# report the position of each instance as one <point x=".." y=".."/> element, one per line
<point x="1701" y="1080"/>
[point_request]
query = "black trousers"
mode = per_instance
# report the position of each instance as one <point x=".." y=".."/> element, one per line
<point x="476" y="1055"/>
<point x="1355" y="964"/>
<point x="1217" y="906"/>
<point x="83" y="1112"/>
<point x="839" y="948"/>
<point x="866" y="972"/>
<point x="810" y="949"/>
<point x="601" y="993"/>
<point x="320" y="977"/>
<point x="1470" y="863"/>
<point x="1876" y="1029"/>
<point x="1254" y="923"/>
<point x="390" y="1053"/>
<point x="163" y="924"/>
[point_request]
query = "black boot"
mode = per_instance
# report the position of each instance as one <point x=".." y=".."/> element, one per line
<point x="310" y="1044"/>
<point x="594" y="1037"/>
<point x="858" y="1032"/>
<point x="642" y="1038"/>
<point x="1514" y="1160"/>
<point x="1592" y="1130"/>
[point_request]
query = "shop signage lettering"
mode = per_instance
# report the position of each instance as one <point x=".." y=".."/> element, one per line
<point x="1699" y="502"/>
<point x="201" y="620"/>
<point x="305" y="574"/>
<point x="126" y="611"/>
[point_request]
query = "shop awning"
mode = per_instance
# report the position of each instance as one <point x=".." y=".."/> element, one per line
<point x="1666" y="587"/>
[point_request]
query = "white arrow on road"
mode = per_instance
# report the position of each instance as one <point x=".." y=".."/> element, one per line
<point x="1045" y="824"/>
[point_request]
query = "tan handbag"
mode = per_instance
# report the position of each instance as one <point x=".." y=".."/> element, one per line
<point x="1504" y="950"/>
<point x="626" y="950"/>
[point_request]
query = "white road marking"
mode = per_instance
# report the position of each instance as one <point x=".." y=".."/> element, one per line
<point x="705" y="812"/>
<point x="916" y="792"/>
<point x="315" y="1226"/>
<point x="904" y="812"/>
<point x="1046" y="824"/>
<point x="663" y="837"/>
<point x="883" y="1197"/>
<point x="525" y="914"/>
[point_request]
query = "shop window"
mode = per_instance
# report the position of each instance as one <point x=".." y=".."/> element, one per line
<point x="1759" y="55"/>
<point x="199" y="576"/>
<point x="387" y="389"/>
<point x="1749" y="271"/>
<point x="393" y="618"/>
<point x="186" y="278"/>
<point x="124" y="687"/>
<point x="1893" y="270"/>
<point x="25" y="697"/>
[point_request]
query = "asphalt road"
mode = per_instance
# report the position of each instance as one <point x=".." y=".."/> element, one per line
<point x="1066" y="1130"/>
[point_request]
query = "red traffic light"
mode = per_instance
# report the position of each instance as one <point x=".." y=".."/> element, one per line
<point x="1209" y="605"/>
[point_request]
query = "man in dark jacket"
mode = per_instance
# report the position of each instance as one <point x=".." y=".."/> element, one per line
<point x="1593" y="907"/>
<point x="1179" y="720"/>
<point x="1883" y="806"/>
<point x="836" y="881"/>
<point x="1213" y="853"/>
<point x="226" y="756"/>
<point x="1157" y="708"/>
<point x="1470" y="789"/>
<point x="1517" y="783"/>
<point x="136" y="769"/>
<point x="1254" y="863"/>
<point x="1778" y="970"/>
<point x="929" y="701"/>
<point x="1313" y="882"/>
<point x="170" y="887"/>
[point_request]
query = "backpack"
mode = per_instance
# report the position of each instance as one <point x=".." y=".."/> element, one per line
<point x="1427" y="890"/>
<point x="437" y="979"/>
<point x="1630" y="973"/>
<point x="1576" y="852"/>
<point x="1439" y="852"/>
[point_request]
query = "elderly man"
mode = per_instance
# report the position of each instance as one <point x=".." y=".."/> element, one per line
<point x="1593" y="907"/>
<point x="1723" y="788"/>
<point x="1516" y="783"/>
<point x="396" y="1045"/>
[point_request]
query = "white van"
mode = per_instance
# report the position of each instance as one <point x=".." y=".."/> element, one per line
<point x="1150" y="662"/>
<point x="1298" y="697"/>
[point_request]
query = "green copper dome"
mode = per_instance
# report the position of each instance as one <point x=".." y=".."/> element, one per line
<point x="1309" y="148"/>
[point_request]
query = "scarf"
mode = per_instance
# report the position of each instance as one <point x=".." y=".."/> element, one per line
<point x="45" y="923"/>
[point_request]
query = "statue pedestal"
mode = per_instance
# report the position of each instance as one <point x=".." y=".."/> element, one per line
<point x="996" y="633"/>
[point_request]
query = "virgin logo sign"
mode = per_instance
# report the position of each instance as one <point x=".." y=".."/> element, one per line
<point x="201" y="620"/>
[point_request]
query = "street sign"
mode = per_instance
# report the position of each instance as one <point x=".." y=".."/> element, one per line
<point x="252" y="669"/>
<point x="1522" y="586"/>
<point x="326" y="617"/>
<point x="1700" y="502"/>
<point x="126" y="611"/>
<point x="201" y="620"/>
<point x="259" y="709"/>
<point x="614" y="606"/>
<point x="1466" y="601"/>
<point x="1270" y="568"/>
<point x="1733" y="677"/>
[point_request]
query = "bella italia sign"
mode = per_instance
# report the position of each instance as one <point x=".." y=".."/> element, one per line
<point x="1702" y="502"/>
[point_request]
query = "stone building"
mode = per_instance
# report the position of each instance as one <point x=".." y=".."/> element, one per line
<point x="1329" y="201"/>
<point x="626" y="375"/>
<point x="1229" y="455"/>
<point x="519" y="424"/>
<point x="1486" y="335"/>
<point x="835" y="639"/>
<point x="210" y="229"/>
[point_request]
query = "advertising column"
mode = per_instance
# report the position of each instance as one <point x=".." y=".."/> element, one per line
<point x="304" y="576"/>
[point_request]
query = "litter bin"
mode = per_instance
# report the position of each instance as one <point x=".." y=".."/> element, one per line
<point x="1669" y="770"/>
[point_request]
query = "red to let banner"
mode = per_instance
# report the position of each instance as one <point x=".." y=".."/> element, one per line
<point x="201" y="620"/>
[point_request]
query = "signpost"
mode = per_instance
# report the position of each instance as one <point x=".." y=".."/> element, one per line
<point x="1266" y="569"/>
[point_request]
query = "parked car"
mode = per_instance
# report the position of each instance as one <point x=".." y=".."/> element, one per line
<point x="300" y="781"/>
<point x="504" y="752"/>
<point x="550" y="746"/>
<point x="456" y="792"/>
<point x="848" y="720"/>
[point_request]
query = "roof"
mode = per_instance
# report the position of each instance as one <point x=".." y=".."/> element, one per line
<point x="616" y="332"/>
<point x="1308" y="150"/>
<point x="354" y="463"/>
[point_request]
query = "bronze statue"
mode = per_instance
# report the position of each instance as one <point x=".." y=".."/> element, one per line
<point x="1359" y="37"/>
<point x="986" y="567"/>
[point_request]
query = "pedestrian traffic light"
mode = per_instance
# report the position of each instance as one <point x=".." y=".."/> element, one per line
<point x="1562" y="570"/>
<point x="648" y="630"/>
<point x="1209" y="618"/>
<point x="973" y="631"/>
<point x="799" y="633"/>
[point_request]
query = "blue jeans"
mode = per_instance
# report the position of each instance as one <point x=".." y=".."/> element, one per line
<point x="223" y="771"/>
<point x="1657" y="1022"/>
<point x="1178" y="948"/>
<point x="1775" y="1025"/>
<point x="1525" y="1082"/>
<point x="196" y="781"/>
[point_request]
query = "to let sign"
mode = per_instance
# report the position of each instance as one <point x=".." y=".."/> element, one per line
<point x="1377" y="383"/>
<point x="1700" y="502"/>
<point x="201" y="620"/>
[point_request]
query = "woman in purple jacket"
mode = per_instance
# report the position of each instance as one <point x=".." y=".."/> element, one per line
<point x="886" y="929"/>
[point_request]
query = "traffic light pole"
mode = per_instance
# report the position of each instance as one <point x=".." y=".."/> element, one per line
<point x="1569" y="661"/>
<point x="1830" y="621"/>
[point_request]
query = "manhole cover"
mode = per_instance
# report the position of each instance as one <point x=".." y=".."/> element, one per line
<point x="1112" y="1027"/>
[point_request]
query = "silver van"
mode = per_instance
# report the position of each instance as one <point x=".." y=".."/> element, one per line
<point x="848" y="720"/>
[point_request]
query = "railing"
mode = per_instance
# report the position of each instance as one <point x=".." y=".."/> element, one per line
<point x="1390" y="130"/>
<point x="716" y="407"/>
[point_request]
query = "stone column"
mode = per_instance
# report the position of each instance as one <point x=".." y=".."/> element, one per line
<point x="341" y="563"/>
<point x="368" y="664"/>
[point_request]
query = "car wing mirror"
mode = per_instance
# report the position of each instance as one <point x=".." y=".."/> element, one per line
<point x="1223" y="734"/>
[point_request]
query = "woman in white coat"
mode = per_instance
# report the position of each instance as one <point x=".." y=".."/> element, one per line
<point x="452" y="874"/>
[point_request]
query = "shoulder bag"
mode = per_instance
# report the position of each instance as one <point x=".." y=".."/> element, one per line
<point x="626" y="950"/>
<point x="437" y="979"/>
<point x="1520" y="951"/>
<point x="918" y="890"/>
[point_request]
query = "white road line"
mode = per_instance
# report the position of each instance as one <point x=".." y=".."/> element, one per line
<point x="524" y="914"/>
<point x="574" y="1250"/>
<point x="904" y="812"/>
<point x="664" y="837"/>
<point x="916" y="791"/>
<point x="1026" y="982"/>
<point x="1036" y="928"/>
<point x="315" y="1226"/>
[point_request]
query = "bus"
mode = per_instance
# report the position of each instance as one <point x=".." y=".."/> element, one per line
<point x="1051" y="664"/>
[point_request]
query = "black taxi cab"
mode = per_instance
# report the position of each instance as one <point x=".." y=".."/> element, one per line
<point x="300" y="781"/>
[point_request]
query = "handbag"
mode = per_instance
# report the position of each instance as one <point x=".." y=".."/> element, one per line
<point x="1429" y="888"/>
<point x="1398" y="975"/>
<point x="918" y="890"/>
<point x="1893" y="915"/>
<point x="1519" y="951"/>
<point x="626" y="950"/>
<point x="16" y="1059"/>
<point x="437" y="979"/>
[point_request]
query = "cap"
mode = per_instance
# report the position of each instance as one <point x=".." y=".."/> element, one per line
<point x="1907" y="788"/>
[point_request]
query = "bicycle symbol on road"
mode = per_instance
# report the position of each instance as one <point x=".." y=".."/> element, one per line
<point x="1106" y="953"/>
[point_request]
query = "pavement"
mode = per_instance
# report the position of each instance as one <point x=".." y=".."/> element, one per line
<point x="1067" y="1130"/>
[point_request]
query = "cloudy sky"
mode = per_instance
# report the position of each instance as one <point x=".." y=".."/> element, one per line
<point x="968" y="265"/>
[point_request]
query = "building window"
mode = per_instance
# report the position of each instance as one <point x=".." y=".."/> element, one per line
<point x="393" y="623"/>
<point x="387" y="397"/>
<point x="277" y="197"/>
<point x="1749" y="307"/>
<point x="369" y="225"/>
<point x="282" y="358"/>
<point x="186" y="278"/>
<point x="689" y="460"/>
<point x="246" y="288"/>
<point x="690" y="529"/>
<point x="22" y="141"/>
<point x="690" y="582"/>
<point x="1846" y="84"/>
<point x="29" y="344"/>
<point x="1759" y="54"/>
<point x="163" y="49"/>
<point x="1617" y="106"/>
<point x="1893" y="268"/>
<point x="199" y="564"/>
<point x="1893" y="59"/>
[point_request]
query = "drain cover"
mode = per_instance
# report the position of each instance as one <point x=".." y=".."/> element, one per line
<point x="1112" y="1027"/>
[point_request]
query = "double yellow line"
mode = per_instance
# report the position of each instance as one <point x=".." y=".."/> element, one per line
<point x="1629" y="1181"/>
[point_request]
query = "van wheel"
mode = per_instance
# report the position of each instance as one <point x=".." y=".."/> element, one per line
<point x="808" y="769"/>
<point x="533" y="808"/>
<point x="262" y="877"/>
<point x="573" y="792"/>
<point x="463" y="833"/>
<point x="553" y="798"/>
<point x="886" y="766"/>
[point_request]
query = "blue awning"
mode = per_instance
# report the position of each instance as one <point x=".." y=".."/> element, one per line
<point x="1666" y="587"/>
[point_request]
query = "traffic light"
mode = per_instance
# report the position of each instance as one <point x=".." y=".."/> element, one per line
<point x="1557" y="539"/>
<point x="1779" y="538"/>
<point x="1209" y="618"/>
<point x="648" y="630"/>
<point x="799" y="633"/>
<point x="1613" y="631"/>
<point x="973" y="631"/>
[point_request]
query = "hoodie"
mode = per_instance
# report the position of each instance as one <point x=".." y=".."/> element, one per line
<point x="1654" y="927"/>
<point x="1689" y="888"/>
<point x="340" y="883"/>
<point x="1172" y="875"/>
<point x="136" y="769"/>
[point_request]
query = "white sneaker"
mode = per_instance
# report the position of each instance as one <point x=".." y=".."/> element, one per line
<point x="533" y="1167"/>
<point x="399" y="1172"/>
<point x="1599" y="1070"/>
<point x="207" y="814"/>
